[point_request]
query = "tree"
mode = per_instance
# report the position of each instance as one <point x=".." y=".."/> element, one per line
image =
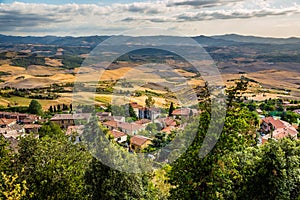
<point x="171" y="109"/>
<point x="235" y="92"/>
<point x="50" y="129"/>
<point x="106" y="182"/>
<point x="58" y="108"/>
<point x="54" y="109"/>
<point x="149" y="101"/>
<point x="269" y="171"/>
<point x="71" y="107"/>
<point x="192" y="176"/>
<point x="51" y="109"/>
<point x="10" y="189"/>
<point x="4" y="154"/>
<point x="65" y="107"/>
<point x="55" y="169"/>
<point x="290" y="117"/>
<point x="132" y="114"/>
<point x="35" y="107"/>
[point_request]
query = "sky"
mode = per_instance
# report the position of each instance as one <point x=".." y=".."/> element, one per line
<point x="267" y="18"/>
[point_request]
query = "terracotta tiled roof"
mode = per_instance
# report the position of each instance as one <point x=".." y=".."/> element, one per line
<point x="276" y="123"/>
<point x="143" y="121"/>
<point x="170" y="122"/>
<point x="111" y="123"/>
<point x="4" y="121"/>
<point x="30" y="126"/>
<point x="282" y="129"/>
<point x="117" y="134"/>
<point x="138" y="140"/>
<point x="182" y="111"/>
<point x="135" y="105"/>
<point x="78" y="116"/>
<point x="168" y="129"/>
<point x="130" y="126"/>
<point x="103" y="114"/>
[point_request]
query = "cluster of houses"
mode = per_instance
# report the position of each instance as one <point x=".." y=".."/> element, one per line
<point x="14" y="124"/>
<point x="122" y="131"/>
<point x="276" y="129"/>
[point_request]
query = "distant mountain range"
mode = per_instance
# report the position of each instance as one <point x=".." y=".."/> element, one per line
<point x="221" y="40"/>
<point x="260" y="40"/>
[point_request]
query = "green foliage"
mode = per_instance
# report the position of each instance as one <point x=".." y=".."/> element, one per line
<point x="194" y="177"/>
<point x="20" y="109"/>
<point x="4" y="154"/>
<point x="35" y="107"/>
<point x="10" y="189"/>
<point x="50" y="129"/>
<point x="290" y="117"/>
<point x="105" y="182"/>
<point x="51" y="109"/>
<point x="29" y="60"/>
<point x="53" y="168"/>
<point x="234" y="93"/>
<point x="171" y="109"/>
<point x="132" y="114"/>
<point x="71" y="62"/>
<point x="270" y="171"/>
<point x="149" y="101"/>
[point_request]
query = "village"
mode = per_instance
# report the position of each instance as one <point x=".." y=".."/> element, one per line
<point x="138" y="134"/>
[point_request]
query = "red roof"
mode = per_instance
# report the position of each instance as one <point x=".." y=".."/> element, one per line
<point x="78" y="116"/>
<point x="30" y="126"/>
<point x="138" y="140"/>
<point x="276" y="123"/>
<point x="117" y="134"/>
<point x="167" y="129"/>
<point x="4" y="121"/>
<point x="170" y="122"/>
<point x="130" y="126"/>
<point x="135" y="105"/>
<point x="182" y="111"/>
<point x="112" y="123"/>
<point x="143" y="121"/>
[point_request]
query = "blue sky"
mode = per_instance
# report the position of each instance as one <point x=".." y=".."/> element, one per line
<point x="269" y="18"/>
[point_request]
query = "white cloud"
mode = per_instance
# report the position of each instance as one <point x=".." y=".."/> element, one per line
<point x="89" y="19"/>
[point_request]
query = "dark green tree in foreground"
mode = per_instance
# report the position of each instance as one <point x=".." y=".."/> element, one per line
<point x="35" y="107"/>
<point x="4" y="154"/>
<point x="236" y="168"/>
<point x="270" y="171"/>
<point x="105" y="182"/>
<point x="50" y="129"/>
<point x="194" y="177"/>
<point x="53" y="168"/>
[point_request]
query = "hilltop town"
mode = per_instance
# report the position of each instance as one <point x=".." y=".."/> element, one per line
<point x="143" y="128"/>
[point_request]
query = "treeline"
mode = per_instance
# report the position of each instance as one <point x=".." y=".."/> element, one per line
<point x="28" y="60"/>
<point x="60" y="107"/>
<point x="54" y="167"/>
<point x="236" y="168"/>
